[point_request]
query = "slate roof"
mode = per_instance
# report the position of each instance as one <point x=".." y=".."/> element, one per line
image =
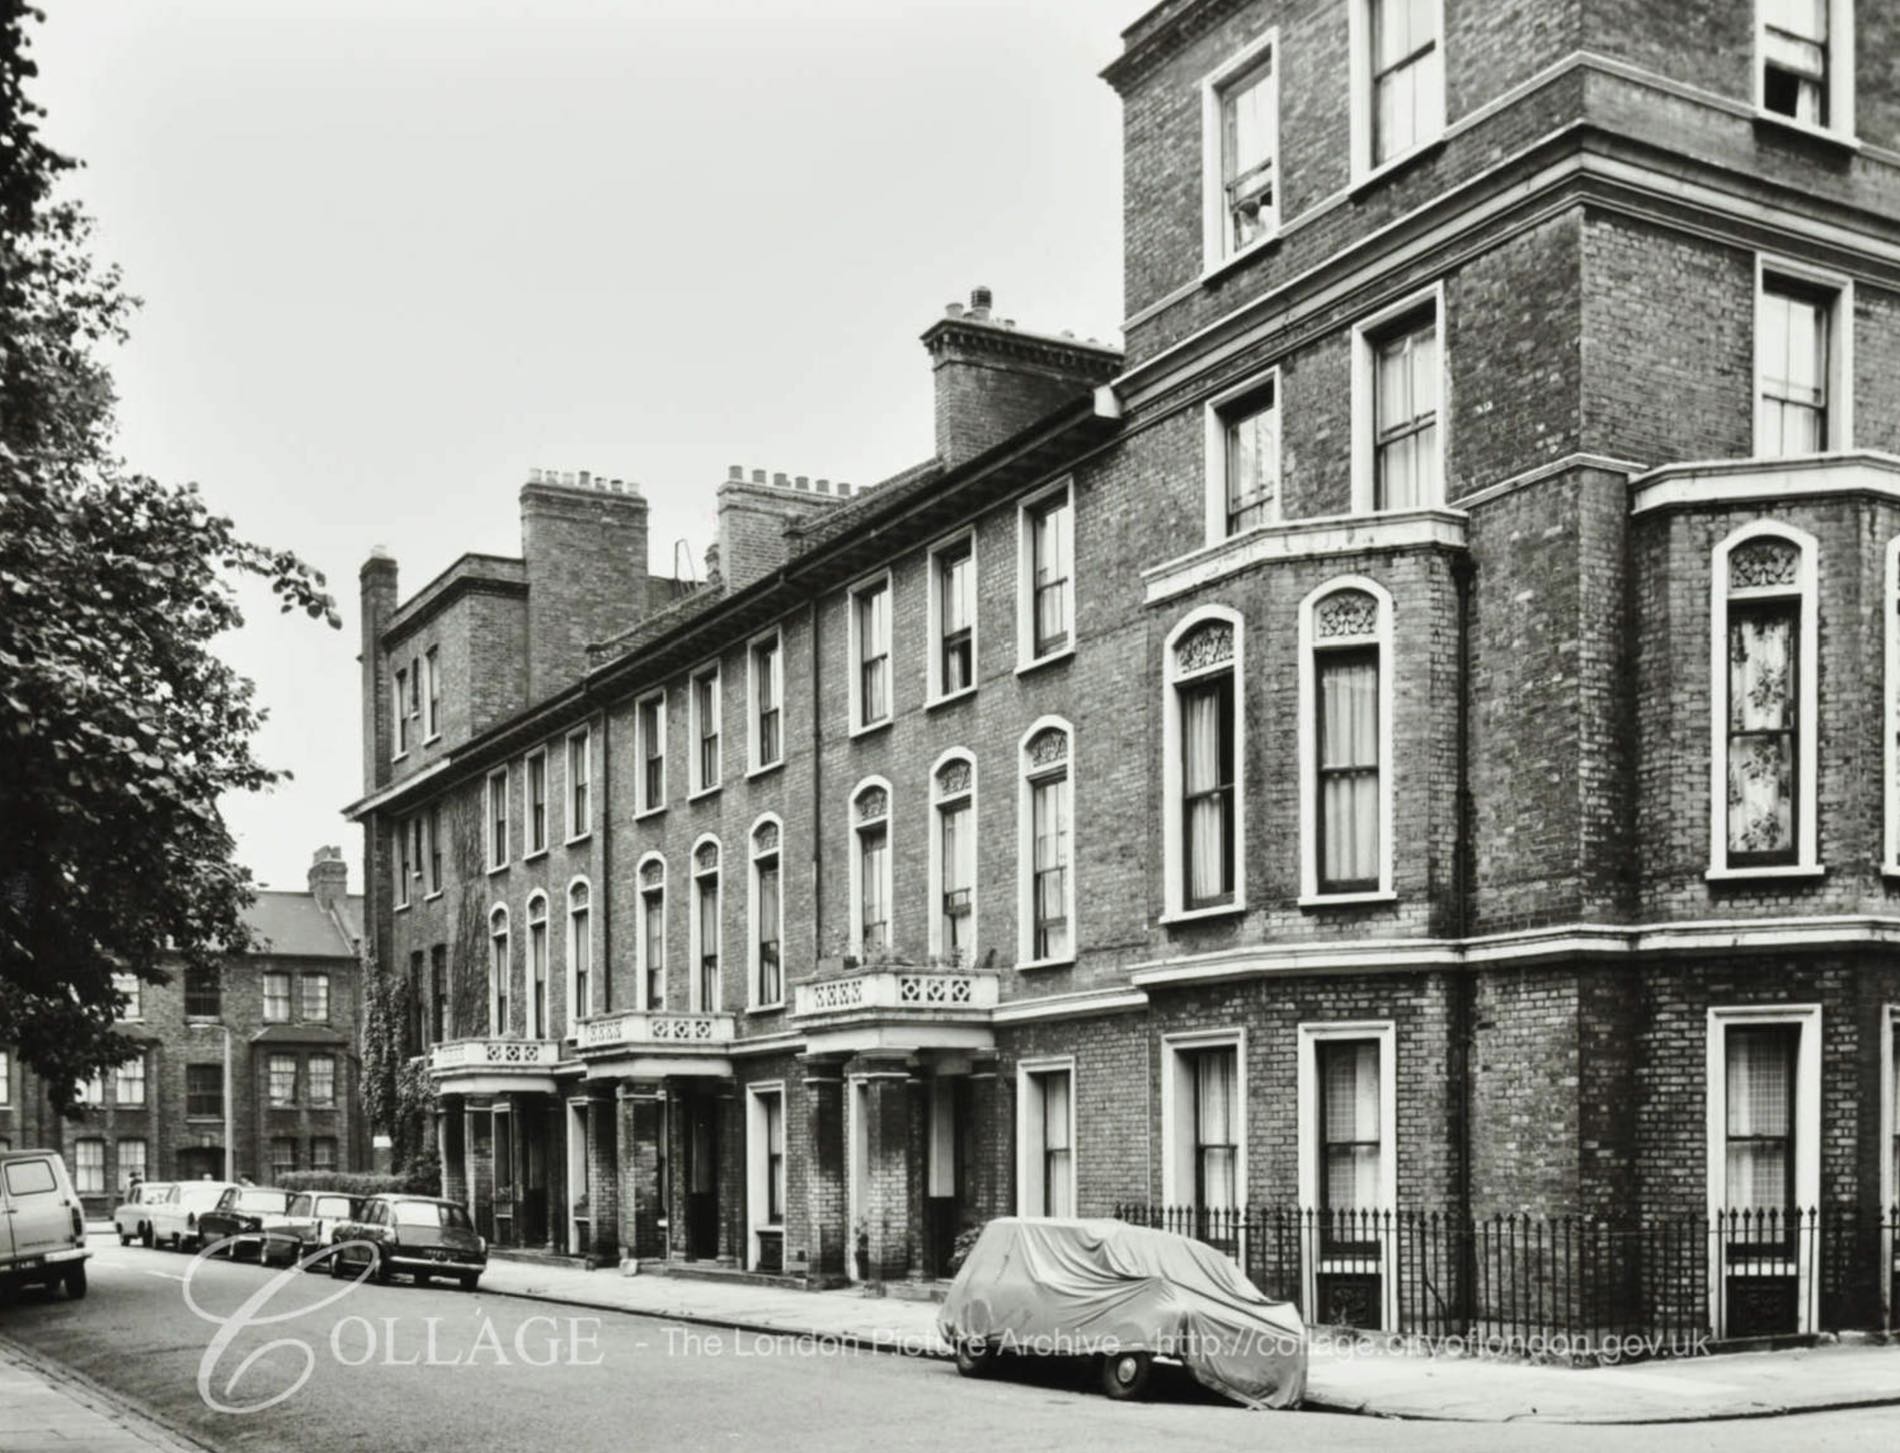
<point x="292" y="925"/>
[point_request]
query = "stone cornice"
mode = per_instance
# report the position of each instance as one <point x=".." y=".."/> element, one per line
<point x="470" y="575"/>
<point x="1854" y="473"/>
<point x="1159" y="33"/>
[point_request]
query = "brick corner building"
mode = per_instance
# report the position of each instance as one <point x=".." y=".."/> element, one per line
<point x="1428" y="709"/>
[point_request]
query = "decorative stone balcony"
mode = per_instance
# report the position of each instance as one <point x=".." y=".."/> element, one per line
<point x="651" y="1043"/>
<point x="898" y="1007"/>
<point x="495" y="1066"/>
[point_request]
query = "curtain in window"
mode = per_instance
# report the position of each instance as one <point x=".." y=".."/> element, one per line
<point x="1760" y="1135"/>
<point x="1350" y="1087"/>
<point x="1349" y="769"/>
<point x="1406" y="419"/>
<point x="871" y="849"/>
<point x="1057" y="1199"/>
<point x="655" y="905"/>
<point x="1050" y="803"/>
<point x="1253" y="468"/>
<point x="1215" y="1114"/>
<point x="1203" y="727"/>
<point x="1793" y="348"/>
<point x="708" y="944"/>
<point x="1761" y="712"/>
<point x="957" y="854"/>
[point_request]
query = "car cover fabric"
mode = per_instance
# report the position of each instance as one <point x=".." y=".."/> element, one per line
<point x="1084" y="1287"/>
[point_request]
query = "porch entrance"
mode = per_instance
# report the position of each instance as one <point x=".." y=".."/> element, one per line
<point x="945" y="1190"/>
<point x="702" y="1176"/>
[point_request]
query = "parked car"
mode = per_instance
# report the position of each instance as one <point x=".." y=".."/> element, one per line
<point x="314" y="1217"/>
<point x="175" y="1219"/>
<point x="134" y="1215"/>
<point x="418" y="1236"/>
<point x="249" y="1219"/>
<point x="42" y="1224"/>
<point x="1122" y="1295"/>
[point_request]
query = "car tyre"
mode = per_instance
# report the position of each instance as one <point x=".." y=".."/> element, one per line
<point x="974" y="1358"/>
<point x="379" y="1268"/>
<point x="125" y="1238"/>
<point x="145" y="1235"/>
<point x="75" y="1280"/>
<point x="337" y="1269"/>
<point x="1125" y="1375"/>
<point x="469" y="1279"/>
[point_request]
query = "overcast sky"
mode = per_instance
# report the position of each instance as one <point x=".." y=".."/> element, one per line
<point x="393" y="253"/>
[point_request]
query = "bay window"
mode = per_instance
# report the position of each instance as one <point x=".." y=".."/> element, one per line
<point x="1346" y="742"/>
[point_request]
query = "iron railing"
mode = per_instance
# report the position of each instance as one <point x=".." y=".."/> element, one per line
<point x="1566" y="1284"/>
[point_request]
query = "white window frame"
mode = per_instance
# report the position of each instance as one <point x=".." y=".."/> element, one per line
<point x="642" y="969"/>
<point x="756" y="765"/>
<point x="1359" y="75"/>
<point x="1031" y="505"/>
<point x="1841" y="91"/>
<point x="1384" y="1032"/>
<point x="1366" y="333"/>
<point x="1173" y="848"/>
<point x="1307" y="732"/>
<point x="133" y="987"/>
<point x="120" y="1079"/>
<point x="757" y="1156"/>
<point x="1215" y="218"/>
<point x="1026" y="848"/>
<point x="856" y="865"/>
<point x="753" y="963"/>
<point x="584" y="736"/>
<point x="399" y="689"/>
<point x="1177" y="1151"/>
<point x="499" y="974"/>
<point x="1216" y="423"/>
<point x="695" y="774"/>
<point x="1029" y="1142"/>
<point x="433" y="837"/>
<point x="310" y="1081"/>
<point x="955" y="754"/>
<point x="694" y="948"/>
<point x="529" y="850"/>
<point x="1840" y="351"/>
<point x="6" y="1078"/>
<point x="1807" y="862"/>
<point x="535" y="1028"/>
<point x="431" y="695"/>
<point x="1891" y="691"/>
<point x="85" y="1147"/>
<point x="1807" y="1144"/>
<point x="271" y="1065"/>
<point x="576" y="1011"/>
<point x="120" y="1160"/>
<point x="934" y="694"/>
<point x="854" y="659"/>
<point x="497" y="786"/>
<point x="643" y="807"/>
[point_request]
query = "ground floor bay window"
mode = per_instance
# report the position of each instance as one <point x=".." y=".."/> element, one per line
<point x="1764" y="1168"/>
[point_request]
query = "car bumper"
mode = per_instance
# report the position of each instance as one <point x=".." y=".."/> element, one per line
<point x="416" y="1261"/>
<point x="29" y="1266"/>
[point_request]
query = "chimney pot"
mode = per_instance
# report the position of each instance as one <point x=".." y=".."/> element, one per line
<point x="735" y="471"/>
<point x="779" y="480"/>
<point x="758" y="476"/>
<point x="980" y="299"/>
<point x="953" y="310"/>
<point x="844" y="490"/>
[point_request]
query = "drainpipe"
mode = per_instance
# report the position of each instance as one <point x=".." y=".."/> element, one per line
<point x="1463" y="988"/>
<point x="817" y="794"/>
<point x="603" y="970"/>
<point x="230" y="1119"/>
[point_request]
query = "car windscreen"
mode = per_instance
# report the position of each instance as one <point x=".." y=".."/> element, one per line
<point x="341" y="1207"/>
<point x="265" y="1202"/>
<point x="430" y="1213"/>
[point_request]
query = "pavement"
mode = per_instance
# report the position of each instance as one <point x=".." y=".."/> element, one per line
<point x="1342" y="1377"/>
<point x="43" y="1409"/>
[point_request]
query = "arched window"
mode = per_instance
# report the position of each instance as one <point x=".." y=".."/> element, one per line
<point x="580" y="955"/>
<point x="1346" y="742"/>
<point x="953" y="858"/>
<point x="537" y="967"/>
<point x="870" y="818"/>
<point x="499" y="971"/>
<point x="706" y="932"/>
<point x="1762" y="668"/>
<point x="767" y="916"/>
<point x="1203" y="734"/>
<point x="650" y="946"/>
<point x="1046" y="897"/>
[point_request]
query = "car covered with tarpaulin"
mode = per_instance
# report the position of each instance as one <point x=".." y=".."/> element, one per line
<point x="1122" y="1295"/>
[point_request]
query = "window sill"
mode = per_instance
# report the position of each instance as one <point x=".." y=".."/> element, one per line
<point x="579" y="837"/>
<point x="1177" y="916"/>
<point x="1217" y="268"/>
<point x="1845" y="141"/>
<point x="1348" y="900"/>
<point x="432" y="739"/>
<point x="755" y="773"/>
<point x="775" y="1008"/>
<point x="1742" y="875"/>
<point x="402" y="907"/>
<point x="1303" y="539"/>
<point x="872" y="728"/>
<point x="533" y="856"/>
<point x="494" y="868"/>
<point x="401" y="756"/>
<point x="1386" y="169"/>
<point x="950" y="698"/>
<point x="1049" y="660"/>
<point x="703" y="793"/>
<point x="644" y="813"/>
<point x="431" y="897"/>
<point x="1030" y="966"/>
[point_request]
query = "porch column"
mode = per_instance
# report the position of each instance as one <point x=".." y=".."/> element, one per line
<point x="449" y="1148"/>
<point x="825" y="1197"/>
<point x="603" y="1173"/>
<point x="641" y="1123"/>
<point x="889" y="1211"/>
<point x="676" y="1187"/>
<point x="478" y="1125"/>
<point x="732" y="1186"/>
<point x="992" y="1167"/>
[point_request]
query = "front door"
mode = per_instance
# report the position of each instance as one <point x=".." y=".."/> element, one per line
<point x="702" y="1177"/>
<point x="534" y="1176"/>
<point x="857" y="1176"/>
<point x="944" y="1174"/>
<point x="579" y="1189"/>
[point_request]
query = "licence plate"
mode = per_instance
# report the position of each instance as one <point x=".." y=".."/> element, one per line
<point x="27" y="1263"/>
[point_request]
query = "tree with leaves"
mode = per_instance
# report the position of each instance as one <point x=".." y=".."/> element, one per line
<point x="119" y="726"/>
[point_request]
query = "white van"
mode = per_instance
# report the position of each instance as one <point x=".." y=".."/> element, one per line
<point x="42" y="1225"/>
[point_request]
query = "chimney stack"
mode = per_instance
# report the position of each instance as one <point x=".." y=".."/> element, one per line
<point x="376" y="586"/>
<point x="329" y="879"/>
<point x="760" y="523"/>
<point x="584" y="543"/>
<point x="994" y="380"/>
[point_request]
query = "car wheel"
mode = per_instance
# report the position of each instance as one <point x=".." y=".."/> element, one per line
<point x="75" y="1280"/>
<point x="974" y="1358"/>
<point x="379" y="1268"/>
<point x="145" y="1235"/>
<point x="469" y="1279"/>
<point x="423" y="1278"/>
<point x="125" y="1238"/>
<point x="1125" y="1374"/>
<point x="337" y="1268"/>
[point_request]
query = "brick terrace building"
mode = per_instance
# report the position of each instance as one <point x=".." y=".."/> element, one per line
<point x="1416" y="732"/>
<point x="250" y="1070"/>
